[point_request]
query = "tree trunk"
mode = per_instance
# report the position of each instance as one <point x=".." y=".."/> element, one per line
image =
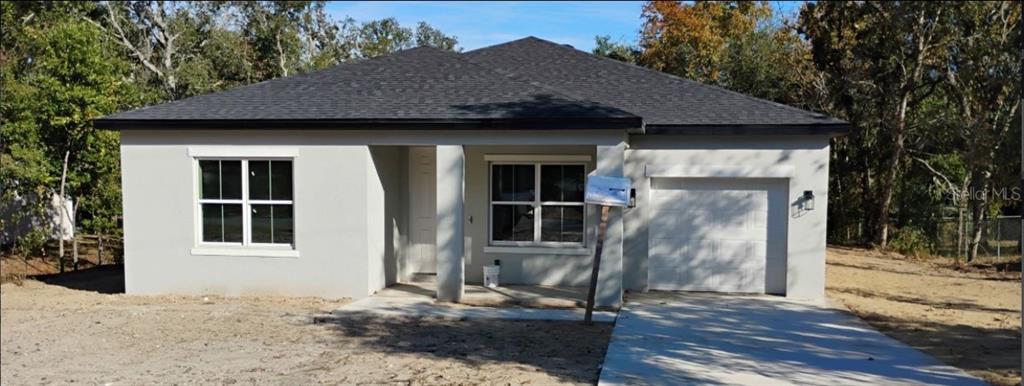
<point x="959" y="231"/>
<point x="888" y="181"/>
<point x="63" y="212"/>
<point x="979" y="204"/>
<point x="978" y="220"/>
<point x="866" y="225"/>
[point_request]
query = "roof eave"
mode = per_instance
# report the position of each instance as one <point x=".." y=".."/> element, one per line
<point x="626" y="123"/>
<point x="830" y="129"/>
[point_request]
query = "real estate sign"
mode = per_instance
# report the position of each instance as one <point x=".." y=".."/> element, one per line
<point x="609" y="191"/>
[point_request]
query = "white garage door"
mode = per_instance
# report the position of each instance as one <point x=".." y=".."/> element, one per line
<point x="708" y="235"/>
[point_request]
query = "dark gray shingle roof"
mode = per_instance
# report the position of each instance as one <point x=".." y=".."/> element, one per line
<point x="524" y="82"/>
<point x="659" y="98"/>
<point x="420" y="84"/>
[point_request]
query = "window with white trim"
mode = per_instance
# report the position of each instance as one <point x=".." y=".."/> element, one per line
<point x="246" y="202"/>
<point x="537" y="204"/>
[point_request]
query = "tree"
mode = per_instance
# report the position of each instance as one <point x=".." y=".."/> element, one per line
<point x="380" y="37"/>
<point x="63" y="64"/>
<point x="160" y="36"/>
<point x="690" y="40"/>
<point x="880" y="61"/>
<point x="622" y="52"/>
<point x="71" y="76"/>
<point x="384" y="36"/>
<point x="287" y="37"/>
<point x="981" y="76"/>
<point x="773" y="63"/>
<point x="427" y="36"/>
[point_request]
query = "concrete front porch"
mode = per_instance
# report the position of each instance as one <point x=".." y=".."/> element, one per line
<point x="526" y="296"/>
<point x="440" y="220"/>
<point x="515" y="302"/>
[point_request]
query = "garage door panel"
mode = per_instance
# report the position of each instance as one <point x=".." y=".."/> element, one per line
<point x="709" y="237"/>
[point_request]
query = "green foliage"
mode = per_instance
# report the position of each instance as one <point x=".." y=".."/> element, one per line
<point x="32" y="243"/>
<point x="64" y="63"/>
<point x="911" y="241"/>
<point x="380" y="37"/>
<point x="931" y="88"/>
<point x="73" y="78"/>
<point x="427" y="36"/>
<point x="384" y="36"/>
<point x="618" y="51"/>
<point x="691" y="39"/>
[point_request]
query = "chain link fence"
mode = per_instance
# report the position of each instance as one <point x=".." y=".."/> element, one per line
<point x="1000" y="238"/>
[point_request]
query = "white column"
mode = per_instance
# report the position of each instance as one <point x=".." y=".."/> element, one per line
<point x="610" y="160"/>
<point x="451" y="275"/>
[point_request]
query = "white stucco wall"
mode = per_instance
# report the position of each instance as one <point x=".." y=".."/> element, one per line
<point x="519" y="267"/>
<point x="806" y="156"/>
<point x="340" y="223"/>
<point x="351" y="202"/>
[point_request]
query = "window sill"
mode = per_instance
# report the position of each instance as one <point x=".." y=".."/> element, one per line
<point x="244" y="252"/>
<point x="577" y="251"/>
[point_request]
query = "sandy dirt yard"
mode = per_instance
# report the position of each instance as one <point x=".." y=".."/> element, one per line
<point x="969" y="319"/>
<point x="50" y="334"/>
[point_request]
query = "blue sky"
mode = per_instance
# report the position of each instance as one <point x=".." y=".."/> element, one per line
<point x="480" y="24"/>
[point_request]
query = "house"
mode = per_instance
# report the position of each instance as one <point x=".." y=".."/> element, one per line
<point x="339" y="182"/>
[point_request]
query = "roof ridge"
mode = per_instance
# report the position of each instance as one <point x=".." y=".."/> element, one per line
<point x="712" y="87"/>
<point x="529" y="37"/>
<point x="512" y="77"/>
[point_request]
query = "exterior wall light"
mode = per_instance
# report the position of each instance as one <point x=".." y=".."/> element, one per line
<point x="808" y="199"/>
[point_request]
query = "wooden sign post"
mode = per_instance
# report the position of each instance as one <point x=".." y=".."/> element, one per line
<point x="587" y="318"/>
<point x="606" y="192"/>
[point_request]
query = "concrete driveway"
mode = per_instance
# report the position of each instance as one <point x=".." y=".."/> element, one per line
<point x="676" y="339"/>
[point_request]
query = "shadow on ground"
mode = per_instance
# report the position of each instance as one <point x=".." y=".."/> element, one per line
<point x="931" y="274"/>
<point x="104" y="279"/>
<point x="944" y="342"/>
<point x="568" y="351"/>
<point x="948" y="305"/>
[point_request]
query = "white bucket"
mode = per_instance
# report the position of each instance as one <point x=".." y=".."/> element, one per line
<point x="491" y="273"/>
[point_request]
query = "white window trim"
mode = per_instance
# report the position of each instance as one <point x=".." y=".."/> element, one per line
<point x="241" y="152"/>
<point x="532" y="158"/>
<point x="246" y="247"/>
<point x="542" y="250"/>
<point x="246" y="252"/>
<point x="537" y="246"/>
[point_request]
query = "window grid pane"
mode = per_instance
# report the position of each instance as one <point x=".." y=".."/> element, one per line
<point x="272" y="224"/>
<point x="513" y="182"/>
<point x="231" y="180"/>
<point x="221" y="182"/>
<point x="262" y="224"/>
<point x="557" y="193"/>
<point x="259" y="180"/>
<point x="209" y="174"/>
<point x="562" y="223"/>
<point x="512" y="222"/>
<point x="562" y="183"/>
<point x="281" y="224"/>
<point x="222" y="223"/>
<point x="281" y="180"/>
<point x="213" y="228"/>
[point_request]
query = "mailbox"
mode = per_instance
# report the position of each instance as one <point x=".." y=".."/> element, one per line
<point x="609" y="191"/>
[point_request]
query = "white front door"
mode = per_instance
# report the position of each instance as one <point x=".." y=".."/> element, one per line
<point x="422" y="201"/>
<point x="709" y="234"/>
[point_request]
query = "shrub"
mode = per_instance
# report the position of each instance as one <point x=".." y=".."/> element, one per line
<point x="911" y="241"/>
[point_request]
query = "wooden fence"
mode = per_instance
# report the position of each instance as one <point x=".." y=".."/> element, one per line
<point x="93" y="250"/>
